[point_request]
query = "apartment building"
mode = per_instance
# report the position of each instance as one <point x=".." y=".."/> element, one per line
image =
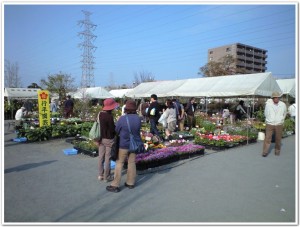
<point x="250" y="59"/>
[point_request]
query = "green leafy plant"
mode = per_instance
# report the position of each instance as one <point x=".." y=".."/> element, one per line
<point x="260" y="115"/>
<point x="289" y="125"/>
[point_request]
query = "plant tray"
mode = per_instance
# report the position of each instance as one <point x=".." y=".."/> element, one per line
<point x="21" y="139"/>
<point x="70" y="151"/>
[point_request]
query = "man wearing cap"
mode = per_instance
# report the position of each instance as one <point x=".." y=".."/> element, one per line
<point x="275" y="113"/>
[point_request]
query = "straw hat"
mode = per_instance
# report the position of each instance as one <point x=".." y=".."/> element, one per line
<point x="276" y="94"/>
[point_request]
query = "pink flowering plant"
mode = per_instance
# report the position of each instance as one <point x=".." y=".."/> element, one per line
<point x="219" y="140"/>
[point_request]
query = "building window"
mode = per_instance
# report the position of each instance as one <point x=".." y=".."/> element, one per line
<point x="211" y="52"/>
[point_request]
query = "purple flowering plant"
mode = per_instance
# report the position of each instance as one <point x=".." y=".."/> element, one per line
<point x="167" y="153"/>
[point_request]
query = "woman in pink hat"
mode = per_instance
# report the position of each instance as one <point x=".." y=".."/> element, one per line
<point x="107" y="130"/>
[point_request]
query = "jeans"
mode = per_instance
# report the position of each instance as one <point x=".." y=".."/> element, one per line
<point x="131" y="170"/>
<point x="104" y="155"/>
<point x="153" y="128"/>
<point x="268" y="138"/>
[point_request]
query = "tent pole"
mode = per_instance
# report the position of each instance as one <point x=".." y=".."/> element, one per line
<point x="253" y="105"/>
<point x="205" y="104"/>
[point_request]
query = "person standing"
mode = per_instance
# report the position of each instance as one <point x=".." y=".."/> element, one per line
<point x="122" y="129"/>
<point x="240" y="111"/>
<point x="143" y="108"/>
<point x="69" y="105"/>
<point x="178" y="109"/>
<point x="292" y="110"/>
<point x="225" y="114"/>
<point x="275" y="113"/>
<point x="190" y="111"/>
<point x="170" y="114"/>
<point x="107" y="131"/>
<point x="53" y="106"/>
<point x="153" y="115"/>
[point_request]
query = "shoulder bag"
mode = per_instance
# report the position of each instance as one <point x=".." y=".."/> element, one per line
<point x="95" y="133"/>
<point x="136" y="144"/>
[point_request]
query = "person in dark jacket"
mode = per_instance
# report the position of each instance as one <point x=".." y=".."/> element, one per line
<point x="107" y="131"/>
<point x="190" y="110"/>
<point x="153" y="115"/>
<point x="122" y="129"/>
<point x="68" y="107"/>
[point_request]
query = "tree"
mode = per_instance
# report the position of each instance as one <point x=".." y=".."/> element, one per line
<point x="142" y="76"/>
<point x="60" y="84"/>
<point x="34" y="85"/>
<point x="225" y="66"/>
<point x="11" y="75"/>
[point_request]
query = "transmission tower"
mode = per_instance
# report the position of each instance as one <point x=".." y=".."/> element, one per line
<point x="87" y="77"/>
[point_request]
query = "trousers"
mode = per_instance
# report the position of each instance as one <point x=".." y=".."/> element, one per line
<point x="104" y="155"/>
<point x="268" y="138"/>
<point x="131" y="169"/>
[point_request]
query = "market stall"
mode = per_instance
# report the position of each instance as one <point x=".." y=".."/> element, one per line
<point x="287" y="86"/>
<point x="21" y="93"/>
<point x="260" y="84"/>
<point x="92" y="93"/>
<point x="120" y="93"/>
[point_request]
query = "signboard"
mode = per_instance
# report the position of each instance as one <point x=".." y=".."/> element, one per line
<point x="44" y="108"/>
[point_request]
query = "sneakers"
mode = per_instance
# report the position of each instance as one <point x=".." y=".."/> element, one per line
<point x="113" y="189"/>
<point x="100" y="178"/>
<point x="129" y="186"/>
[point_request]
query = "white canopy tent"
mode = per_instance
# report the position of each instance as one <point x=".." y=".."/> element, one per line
<point x="260" y="84"/>
<point x="21" y="93"/>
<point x="287" y="86"/>
<point x="91" y="92"/>
<point x="120" y="93"/>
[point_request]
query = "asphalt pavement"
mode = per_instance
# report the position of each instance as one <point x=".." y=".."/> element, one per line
<point x="238" y="185"/>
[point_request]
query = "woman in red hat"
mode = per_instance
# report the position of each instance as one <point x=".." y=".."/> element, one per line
<point x="107" y="130"/>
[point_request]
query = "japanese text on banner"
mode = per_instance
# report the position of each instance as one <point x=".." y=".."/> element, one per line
<point x="44" y="108"/>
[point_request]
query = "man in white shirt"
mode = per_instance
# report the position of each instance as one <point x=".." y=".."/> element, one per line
<point x="19" y="115"/>
<point x="275" y="113"/>
<point x="292" y="110"/>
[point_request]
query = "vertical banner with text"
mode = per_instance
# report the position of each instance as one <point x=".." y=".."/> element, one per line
<point x="44" y="108"/>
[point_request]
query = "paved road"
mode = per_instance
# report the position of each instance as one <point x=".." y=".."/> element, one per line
<point x="41" y="184"/>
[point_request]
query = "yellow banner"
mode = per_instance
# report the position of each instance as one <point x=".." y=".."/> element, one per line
<point x="44" y="108"/>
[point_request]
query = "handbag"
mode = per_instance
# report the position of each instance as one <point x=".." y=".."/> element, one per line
<point x="115" y="148"/>
<point x="95" y="133"/>
<point x="136" y="144"/>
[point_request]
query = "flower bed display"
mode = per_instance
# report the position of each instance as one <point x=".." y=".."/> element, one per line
<point x="158" y="157"/>
<point x="87" y="147"/>
<point x="219" y="142"/>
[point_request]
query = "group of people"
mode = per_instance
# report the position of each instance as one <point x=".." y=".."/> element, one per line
<point x="174" y="112"/>
<point x="108" y="130"/>
<point x="68" y="106"/>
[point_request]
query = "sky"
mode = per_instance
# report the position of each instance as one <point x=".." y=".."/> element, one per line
<point x="168" y="41"/>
